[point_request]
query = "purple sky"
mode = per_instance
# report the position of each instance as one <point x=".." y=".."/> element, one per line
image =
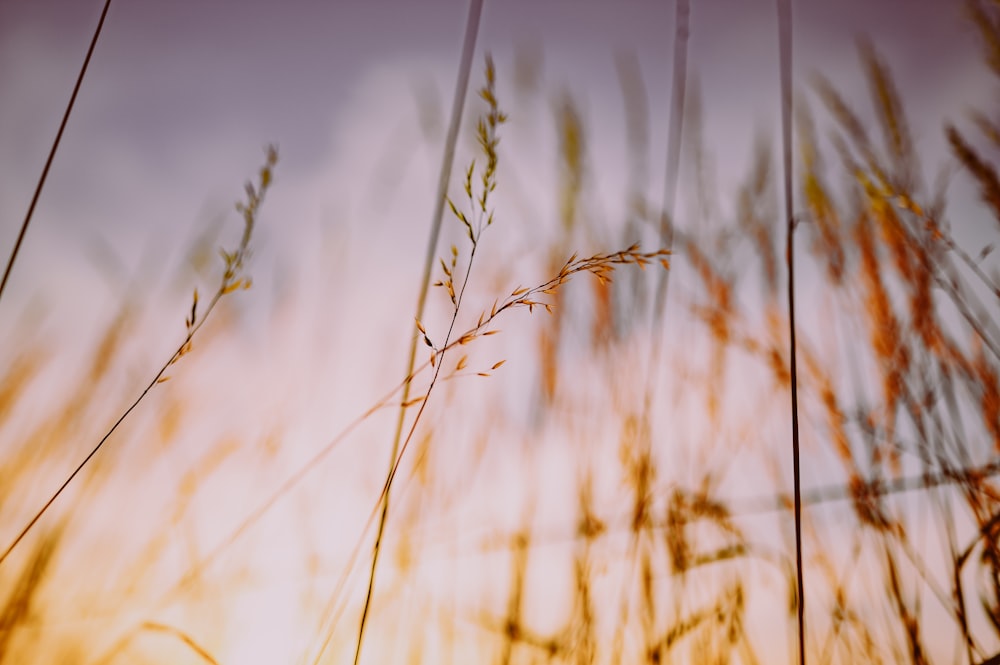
<point x="171" y="79"/>
<point x="171" y="74"/>
<point x="181" y="96"/>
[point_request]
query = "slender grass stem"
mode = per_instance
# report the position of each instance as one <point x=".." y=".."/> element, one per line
<point x="199" y="650"/>
<point x="666" y="230"/>
<point x="232" y="279"/>
<point x="458" y="105"/>
<point x="155" y="380"/>
<point x="678" y="96"/>
<point x="785" y="57"/>
<point x="52" y="153"/>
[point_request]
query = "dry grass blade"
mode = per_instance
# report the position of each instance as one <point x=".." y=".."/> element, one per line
<point x="785" y="66"/>
<point x="200" y="651"/>
<point x="981" y="170"/>
<point x="233" y="278"/>
<point x="678" y="97"/>
<point x="984" y="17"/>
<point x="52" y="152"/>
<point x="461" y="86"/>
<point x="891" y="115"/>
<point x="18" y="608"/>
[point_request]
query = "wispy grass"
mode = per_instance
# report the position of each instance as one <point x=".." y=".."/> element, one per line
<point x="461" y="86"/>
<point x="613" y="527"/>
<point x="233" y="279"/>
<point x="40" y="185"/>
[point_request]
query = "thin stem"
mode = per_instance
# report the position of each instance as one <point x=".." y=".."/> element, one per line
<point x="678" y="88"/>
<point x="678" y="95"/>
<point x="599" y="265"/>
<point x="183" y="637"/>
<point x="231" y="280"/>
<point x="52" y="154"/>
<point x="750" y="506"/>
<point x="156" y="379"/>
<point x="458" y="104"/>
<point x="397" y="459"/>
<point x="873" y="489"/>
<point x="785" y="56"/>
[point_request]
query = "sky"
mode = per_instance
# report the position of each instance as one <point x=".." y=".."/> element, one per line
<point x="181" y="98"/>
<point x="170" y="77"/>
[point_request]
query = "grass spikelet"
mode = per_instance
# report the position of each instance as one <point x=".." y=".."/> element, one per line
<point x="828" y="245"/>
<point x="571" y="150"/>
<point x="884" y="328"/>
<point x="849" y="122"/>
<point x="984" y="17"/>
<point x="17" y="610"/>
<point x="834" y="414"/>
<point x="980" y="169"/>
<point x="16" y="378"/>
<point x="989" y="384"/>
<point x="756" y="213"/>
<point x="892" y="117"/>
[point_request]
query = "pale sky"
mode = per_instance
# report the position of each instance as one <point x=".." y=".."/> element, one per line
<point x="180" y="96"/>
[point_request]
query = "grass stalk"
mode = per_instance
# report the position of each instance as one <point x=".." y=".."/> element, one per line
<point x="188" y="641"/>
<point x="678" y="96"/>
<point x="448" y="158"/>
<point x="666" y="235"/>
<point x="599" y="265"/>
<point x="233" y="279"/>
<point x="52" y="152"/>
<point x="785" y="63"/>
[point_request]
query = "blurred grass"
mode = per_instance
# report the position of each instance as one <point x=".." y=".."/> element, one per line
<point x="542" y="515"/>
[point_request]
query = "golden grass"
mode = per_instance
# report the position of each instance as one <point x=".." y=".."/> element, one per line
<point x="656" y="554"/>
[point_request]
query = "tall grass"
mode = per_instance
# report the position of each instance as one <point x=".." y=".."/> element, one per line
<point x="553" y="499"/>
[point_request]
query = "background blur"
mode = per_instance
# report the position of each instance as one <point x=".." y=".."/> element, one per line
<point x="580" y="504"/>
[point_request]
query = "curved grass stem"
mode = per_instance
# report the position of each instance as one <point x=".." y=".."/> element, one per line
<point x="232" y="280"/>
